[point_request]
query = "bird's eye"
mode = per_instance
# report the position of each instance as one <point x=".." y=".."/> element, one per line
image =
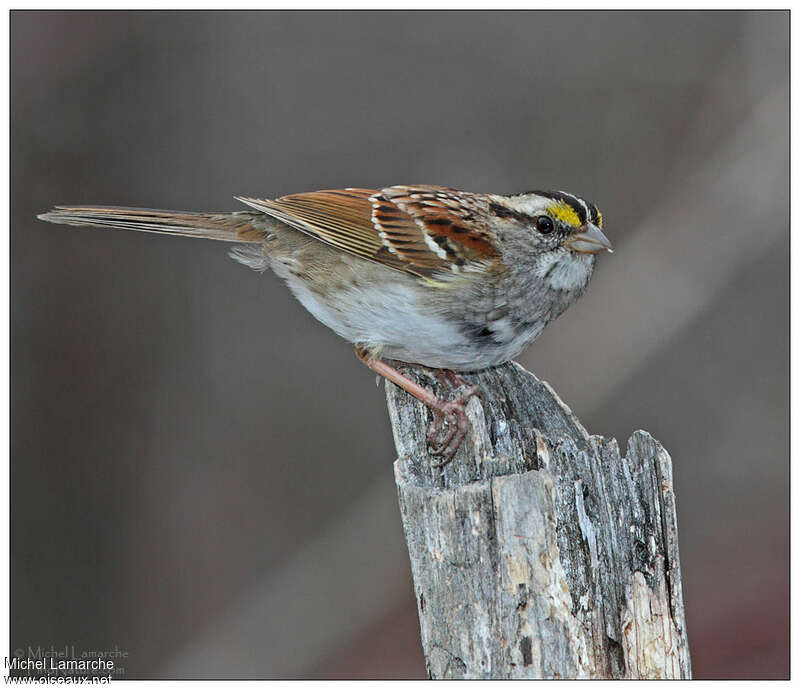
<point x="544" y="224"/>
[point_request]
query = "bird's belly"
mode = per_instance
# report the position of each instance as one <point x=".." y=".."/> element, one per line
<point x="392" y="322"/>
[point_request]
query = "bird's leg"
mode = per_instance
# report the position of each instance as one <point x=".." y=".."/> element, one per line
<point x="451" y="412"/>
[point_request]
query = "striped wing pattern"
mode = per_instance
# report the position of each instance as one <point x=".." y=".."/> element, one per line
<point x="420" y="229"/>
<point x="452" y="223"/>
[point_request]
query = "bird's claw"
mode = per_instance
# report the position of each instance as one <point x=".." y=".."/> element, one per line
<point x="453" y="417"/>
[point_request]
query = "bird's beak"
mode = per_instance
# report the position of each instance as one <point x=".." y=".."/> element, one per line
<point x="590" y="240"/>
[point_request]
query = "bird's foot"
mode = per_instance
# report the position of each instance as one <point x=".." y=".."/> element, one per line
<point x="449" y="426"/>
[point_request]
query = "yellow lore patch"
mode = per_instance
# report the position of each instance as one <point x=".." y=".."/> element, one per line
<point x="562" y="211"/>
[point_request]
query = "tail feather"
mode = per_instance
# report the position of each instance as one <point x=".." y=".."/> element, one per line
<point x="244" y="226"/>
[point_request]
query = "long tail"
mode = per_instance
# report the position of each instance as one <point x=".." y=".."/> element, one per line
<point x="243" y="226"/>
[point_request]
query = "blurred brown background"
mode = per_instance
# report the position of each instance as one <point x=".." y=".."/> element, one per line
<point x="201" y="473"/>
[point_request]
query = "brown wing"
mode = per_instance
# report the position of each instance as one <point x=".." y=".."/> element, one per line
<point x="419" y="230"/>
<point x="455" y="222"/>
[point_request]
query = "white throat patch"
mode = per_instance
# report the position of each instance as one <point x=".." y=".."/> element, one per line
<point x="568" y="271"/>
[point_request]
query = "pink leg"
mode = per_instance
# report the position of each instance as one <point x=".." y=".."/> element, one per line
<point x="451" y="412"/>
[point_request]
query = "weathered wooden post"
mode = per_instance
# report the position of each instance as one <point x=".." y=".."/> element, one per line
<point x="539" y="551"/>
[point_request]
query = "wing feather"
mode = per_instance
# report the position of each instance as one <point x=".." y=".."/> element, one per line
<point x="421" y="230"/>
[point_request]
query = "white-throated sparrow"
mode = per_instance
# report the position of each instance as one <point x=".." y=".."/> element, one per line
<point x="420" y="274"/>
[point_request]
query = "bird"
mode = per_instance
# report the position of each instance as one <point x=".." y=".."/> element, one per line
<point x="449" y="280"/>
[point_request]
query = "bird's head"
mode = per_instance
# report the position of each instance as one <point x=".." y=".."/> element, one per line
<point x="555" y="220"/>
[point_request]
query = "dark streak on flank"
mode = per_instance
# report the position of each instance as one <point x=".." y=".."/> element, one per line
<point x="479" y="332"/>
